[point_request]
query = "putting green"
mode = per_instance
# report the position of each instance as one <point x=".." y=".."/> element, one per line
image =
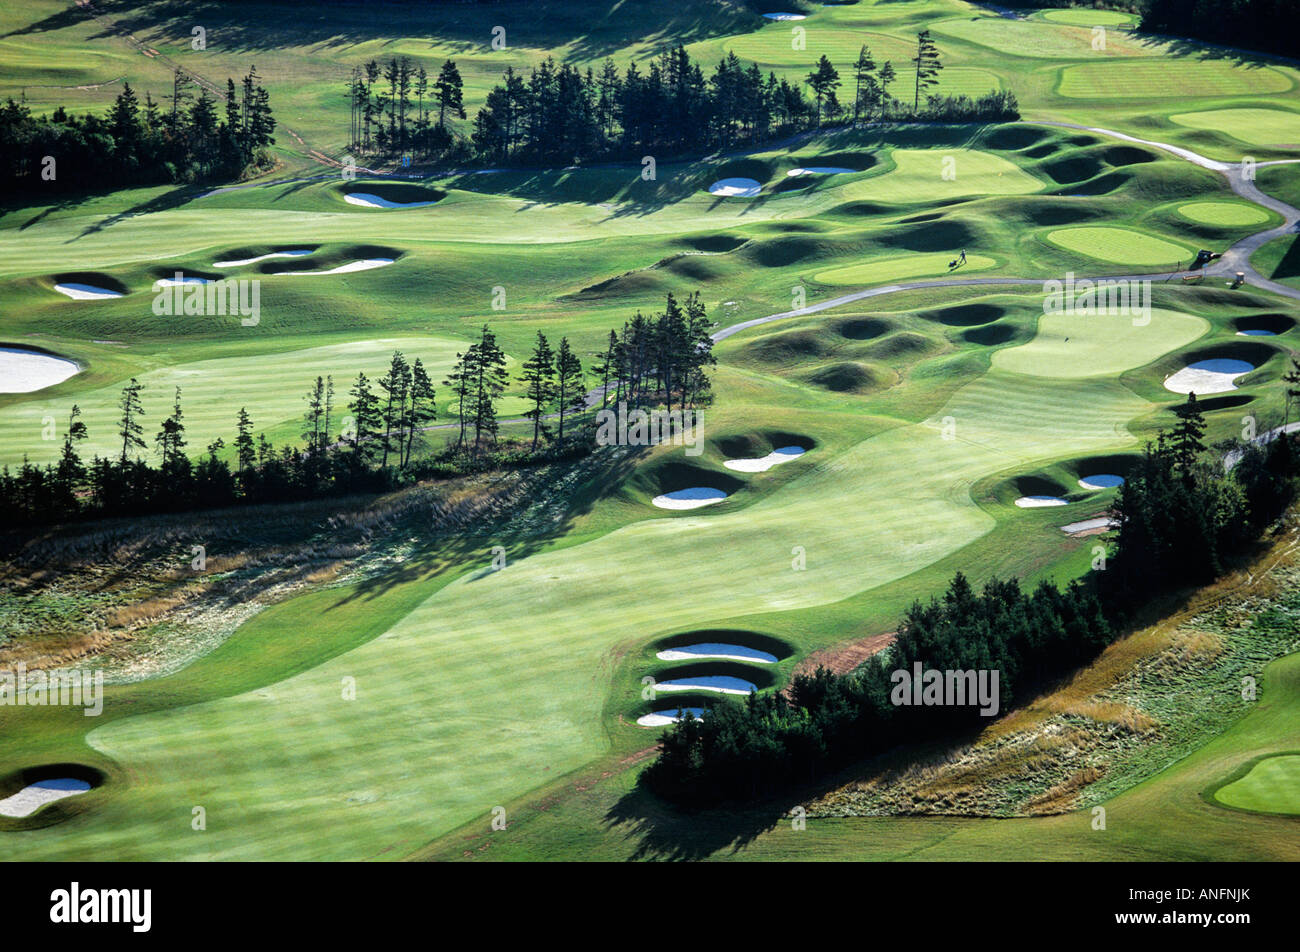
<point x="1121" y="245"/>
<point x="1223" y="213"/>
<point x="271" y="386"/>
<point x="1170" y="79"/>
<point x="1092" y="345"/>
<point x="912" y="266"/>
<point x="1253" y="126"/>
<point x="1271" y="786"/>
<point x="1036" y="38"/>
<point x="1088" y="17"/>
<point x="923" y="175"/>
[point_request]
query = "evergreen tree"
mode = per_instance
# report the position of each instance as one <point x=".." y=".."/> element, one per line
<point x="449" y="94"/>
<point x="539" y="377"/>
<point x="568" y="381"/>
<point x="824" y="80"/>
<point x="245" y="452"/>
<point x="927" y="65"/>
<point x="1186" y="440"/>
<point x="129" y="427"/>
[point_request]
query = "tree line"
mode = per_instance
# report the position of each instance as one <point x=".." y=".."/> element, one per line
<point x="191" y="137"/>
<point x="1181" y="516"/>
<point x="374" y="438"/>
<point x="559" y="114"/>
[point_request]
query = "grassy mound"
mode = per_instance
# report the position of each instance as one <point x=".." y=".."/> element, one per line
<point x="851" y="376"/>
<point x="1121" y="245"/>
<point x="1272" y="785"/>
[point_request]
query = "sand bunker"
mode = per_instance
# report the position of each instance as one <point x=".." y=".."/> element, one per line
<point x="23" y="371"/>
<point x="692" y="498"/>
<point x="274" y="254"/>
<point x="716" y="650"/>
<point x="1101" y="481"/>
<point x="1208" y="376"/>
<point x="1037" y="502"/>
<point x="31" y="798"/>
<point x="1256" y="333"/>
<point x="184" y="279"/>
<point x="1091" y="525"/>
<point x="735" y="188"/>
<point x="718" y="683"/>
<point x="784" y="16"/>
<point x="86" y="292"/>
<point x="762" y="464"/>
<point x="348" y="268"/>
<point x="368" y="200"/>
<point x="671" y="716"/>
<point x="819" y="170"/>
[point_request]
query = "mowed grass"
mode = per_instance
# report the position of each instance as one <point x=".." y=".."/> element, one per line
<point x="912" y="266"/>
<point x="1272" y="127"/>
<point x="1037" y="39"/>
<point x="1088" y="17"/>
<point x="272" y="386"/>
<point x="1092" y="345"/>
<point x="1229" y="214"/>
<point x="930" y="175"/>
<point x="1175" y="79"/>
<point x="1120" y="245"/>
<point x="466" y="701"/>
<point x="1271" y="786"/>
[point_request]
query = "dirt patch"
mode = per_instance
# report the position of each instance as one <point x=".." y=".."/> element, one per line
<point x="843" y="658"/>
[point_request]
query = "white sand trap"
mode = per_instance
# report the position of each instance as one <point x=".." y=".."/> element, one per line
<point x="692" y="498"/>
<point x="1208" y="376"/>
<point x="367" y="200"/>
<point x="735" y="188"/>
<point x="1101" y="481"/>
<point x="86" y="292"/>
<point x="762" y="464"/>
<point x="31" y="798"/>
<point x="671" y="716"/>
<point x="348" y="268"/>
<point x="784" y="16"/>
<point x="24" y="371"/>
<point x="274" y="254"/>
<point x="1256" y="333"/>
<point x="819" y="170"/>
<point x="183" y="279"/>
<point x="1090" y="525"/>
<point x="716" y="650"/>
<point x="718" y="683"/>
<point x="1038" y="502"/>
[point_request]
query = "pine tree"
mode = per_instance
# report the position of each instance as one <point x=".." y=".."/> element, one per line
<point x="396" y="384"/>
<point x="461" y="381"/>
<point x="448" y="92"/>
<point x="863" y="71"/>
<point x="245" y="453"/>
<point x="423" y="406"/>
<point x="927" y="65"/>
<point x="568" y="381"/>
<point x="490" y="380"/>
<point x="129" y="428"/>
<point x="366" y="415"/>
<point x="539" y="376"/>
<point x="824" y="80"/>
<point x="1185" y="441"/>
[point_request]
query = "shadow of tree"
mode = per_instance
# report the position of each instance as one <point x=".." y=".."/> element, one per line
<point x="175" y="198"/>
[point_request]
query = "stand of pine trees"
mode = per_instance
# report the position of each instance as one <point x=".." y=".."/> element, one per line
<point x="369" y="443"/>
<point x="1181" y="517"/>
<point x="559" y="115"/>
<point x="192" y="138"/>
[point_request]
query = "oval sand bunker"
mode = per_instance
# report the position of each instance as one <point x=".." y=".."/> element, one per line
<point x="182" y="280"/>
<point x="274" y="254"/>
<point x="784" y="16"/>
<point x="86" y="292"/>
<point x="819" y="170"/>
<point x="34" y="796"/>
<point x="716" y="650"/>
<point x="369" y="200"/>
<point x="24" y="371"/>
<point x="761" y="464"/>
<point x="735" y="188"/>
<point x="1208" y="376"/>
<point x="1257" y="333"/>
<point x="366" y="265"/>
<point x="692" y="498"/>
<point x="1101" y="481"/>
<point x="671" y="716"/>
<point x="719" y="683"/>
<point x="1037" y="502"/>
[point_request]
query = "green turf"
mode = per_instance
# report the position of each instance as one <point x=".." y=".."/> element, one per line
<point x="1272" y="127"/>
<point x="1088" y="17"/>
<point x="914" y="266"/>
<point x="1223" y="213"/>
<point x="1271" y="786"/>
<point x="1095" y="345"/>
<point x="1120" y="245"/>
<point x="1175" y="81"/>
